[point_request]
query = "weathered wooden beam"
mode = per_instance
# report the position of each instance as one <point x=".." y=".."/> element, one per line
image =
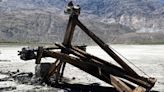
<point x="105" y="66"/>
<point x="68" y="50"/>
<point x="109" y="68"/>
<point x="139" y="89"/>
<point x="119" y="85"/>
<point x="62" y="70"/>
<point x="78" y="63"/>
<point x="106" y="48"/>
<point x="82" y="64"/>
<point x="106" y="63"/>
<point x="70" y="30"/>
<point x="51" y="47"/>
<point x="53" y="68"/>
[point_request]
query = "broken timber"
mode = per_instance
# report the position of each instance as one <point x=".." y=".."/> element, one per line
<point x="93" y="65"/>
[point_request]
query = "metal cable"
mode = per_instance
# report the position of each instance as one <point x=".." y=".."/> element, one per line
<point x="130" y="62"/>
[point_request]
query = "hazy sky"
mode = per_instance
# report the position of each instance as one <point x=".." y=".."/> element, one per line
<point x="162" y="1"/>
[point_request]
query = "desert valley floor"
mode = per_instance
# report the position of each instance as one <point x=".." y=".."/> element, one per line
<point x="149" y="58"/>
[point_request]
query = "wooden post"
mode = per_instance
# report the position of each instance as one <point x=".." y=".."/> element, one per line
<point x="70" y="30"/>
<point x="39" y="55"/>
<point x="68" y="37"/>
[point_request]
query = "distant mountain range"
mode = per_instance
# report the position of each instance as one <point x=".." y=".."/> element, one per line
<point x="115" y="21"/>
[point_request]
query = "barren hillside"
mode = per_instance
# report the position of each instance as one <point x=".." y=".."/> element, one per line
<point x="115" y="21"/>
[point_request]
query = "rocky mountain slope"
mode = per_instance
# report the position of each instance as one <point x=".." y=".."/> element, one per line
<point x="115" y="21"/>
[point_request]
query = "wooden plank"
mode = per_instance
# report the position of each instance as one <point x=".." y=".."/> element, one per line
<point x="139" y="89"/>
<point x="58" y="76"/>
<point x="69" y="50"/>
<point x="53" y="67"/>
<point x="119" y="85"/>
<point x="62" y="70"/>
<point x="51" y="47"/>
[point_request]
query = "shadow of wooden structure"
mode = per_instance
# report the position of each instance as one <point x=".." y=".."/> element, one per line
<point x="123" y="78"/>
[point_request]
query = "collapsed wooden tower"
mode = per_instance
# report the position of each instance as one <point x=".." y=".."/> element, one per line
<point x="110" y="73"/>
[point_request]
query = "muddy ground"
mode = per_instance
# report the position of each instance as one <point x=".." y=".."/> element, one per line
<point x="149" y="58"/>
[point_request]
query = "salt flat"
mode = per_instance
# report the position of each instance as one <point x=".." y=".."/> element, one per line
<point x="149" y="58"/>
